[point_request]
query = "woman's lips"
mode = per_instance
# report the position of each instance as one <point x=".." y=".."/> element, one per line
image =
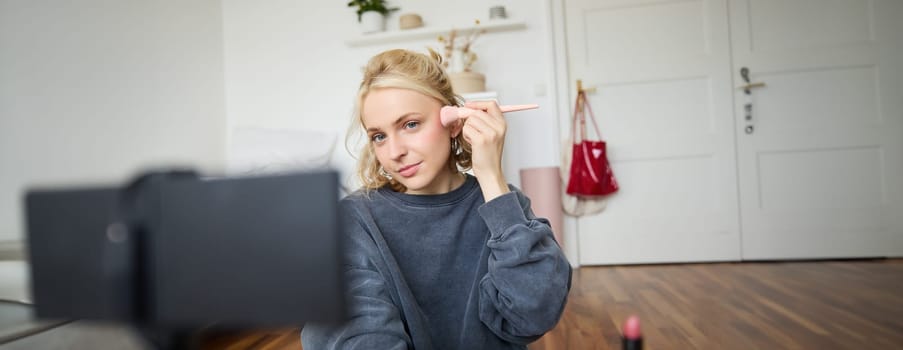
<point x="409" y="170"/>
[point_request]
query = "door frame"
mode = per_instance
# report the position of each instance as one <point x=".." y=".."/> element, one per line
<point x="557" y="76"/>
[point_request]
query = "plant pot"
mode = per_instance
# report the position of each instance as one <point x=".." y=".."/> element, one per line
<point x="467" y="82"/>
<point x="372" y="22"/>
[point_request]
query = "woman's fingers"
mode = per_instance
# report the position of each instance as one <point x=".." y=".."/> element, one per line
<point x="484" y="129"/>
<point x="493" y="112"/>
<point x="490" y="107"/>
<point x="479" y="131"/>
<point x="496" y="122"/>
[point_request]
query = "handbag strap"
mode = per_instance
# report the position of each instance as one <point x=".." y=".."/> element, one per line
<point x="592" y="117"/>
<point x="580" y="108"/>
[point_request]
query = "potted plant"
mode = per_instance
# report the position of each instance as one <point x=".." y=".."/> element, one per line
<point x="371" y="14"/>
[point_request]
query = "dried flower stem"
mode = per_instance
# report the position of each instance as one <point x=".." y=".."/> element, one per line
<point x="463" y="43"/>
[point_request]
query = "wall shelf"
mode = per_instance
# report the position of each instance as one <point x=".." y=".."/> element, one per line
<point x="495" y="25"/>
<point x="481" y="96"/>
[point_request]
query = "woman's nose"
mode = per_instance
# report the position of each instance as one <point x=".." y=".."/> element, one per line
<point x="397" y="149"/>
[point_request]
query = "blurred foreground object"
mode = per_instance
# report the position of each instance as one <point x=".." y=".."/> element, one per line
<point x="173" y="252"/>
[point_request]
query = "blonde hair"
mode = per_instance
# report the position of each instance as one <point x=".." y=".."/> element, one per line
<point x="409" y="70"/>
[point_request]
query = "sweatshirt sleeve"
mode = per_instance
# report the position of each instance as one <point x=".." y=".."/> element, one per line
<point x="374" y="321"/>
<point x="524" y="293"/>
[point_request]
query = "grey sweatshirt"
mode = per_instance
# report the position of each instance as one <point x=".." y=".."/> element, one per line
<point x="446" y="271"/>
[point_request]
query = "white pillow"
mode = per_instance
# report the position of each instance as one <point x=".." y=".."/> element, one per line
<point x="255" y="150"/>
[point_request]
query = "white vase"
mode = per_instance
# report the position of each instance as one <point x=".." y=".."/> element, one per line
<point x="456" y="61"/>
<point x="372" y="22"/>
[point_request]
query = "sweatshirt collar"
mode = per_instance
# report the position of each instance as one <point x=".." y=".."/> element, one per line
<point x="451" y="197"/>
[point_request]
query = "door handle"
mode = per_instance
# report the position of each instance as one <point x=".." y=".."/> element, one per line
<point x="744" y="73"/>
<point x="746" y="88"/>
<point x="748" y="106"/>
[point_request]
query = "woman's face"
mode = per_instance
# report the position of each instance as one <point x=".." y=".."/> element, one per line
<point x="409" y="141"/>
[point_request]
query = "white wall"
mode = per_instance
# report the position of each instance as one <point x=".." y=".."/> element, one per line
<point x="288" y="67"/>
<point x="97" y="91"/>
<point x="92" y="91"/>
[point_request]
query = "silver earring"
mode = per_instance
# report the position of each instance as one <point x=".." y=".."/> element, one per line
<point x="384" y="174"/>
<point x="454" y="146"/>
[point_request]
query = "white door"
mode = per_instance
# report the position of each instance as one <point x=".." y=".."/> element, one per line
<point x="662" y="75"/>
<point x="821" y="167"/>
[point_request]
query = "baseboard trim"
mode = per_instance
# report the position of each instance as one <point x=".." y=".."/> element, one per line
<point x="12" y="250"/>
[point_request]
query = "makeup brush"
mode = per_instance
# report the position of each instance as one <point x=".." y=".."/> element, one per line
<point x="449" y="114"/>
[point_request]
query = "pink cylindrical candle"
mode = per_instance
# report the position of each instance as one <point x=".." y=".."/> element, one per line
<point x="543" y="187"/>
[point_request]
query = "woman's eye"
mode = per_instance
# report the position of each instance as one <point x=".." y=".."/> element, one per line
<point x="377" y="138"/>
<point x="411" y="124"/>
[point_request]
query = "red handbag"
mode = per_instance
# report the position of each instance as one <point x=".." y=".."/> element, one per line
<point x="591" y="174"/>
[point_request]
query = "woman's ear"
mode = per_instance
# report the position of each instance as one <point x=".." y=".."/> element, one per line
<point x="456" y="127"/>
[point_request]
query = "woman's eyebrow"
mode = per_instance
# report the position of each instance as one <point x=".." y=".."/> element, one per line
<point x="397" y="121"/>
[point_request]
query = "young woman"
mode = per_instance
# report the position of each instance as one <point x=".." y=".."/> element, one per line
<point x="437" y="258"/>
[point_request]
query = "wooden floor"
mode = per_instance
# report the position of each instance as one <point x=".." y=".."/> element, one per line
<point x="803" y="305"/>
<point x="796" y="305"/>
<point x="285" y="339"/>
